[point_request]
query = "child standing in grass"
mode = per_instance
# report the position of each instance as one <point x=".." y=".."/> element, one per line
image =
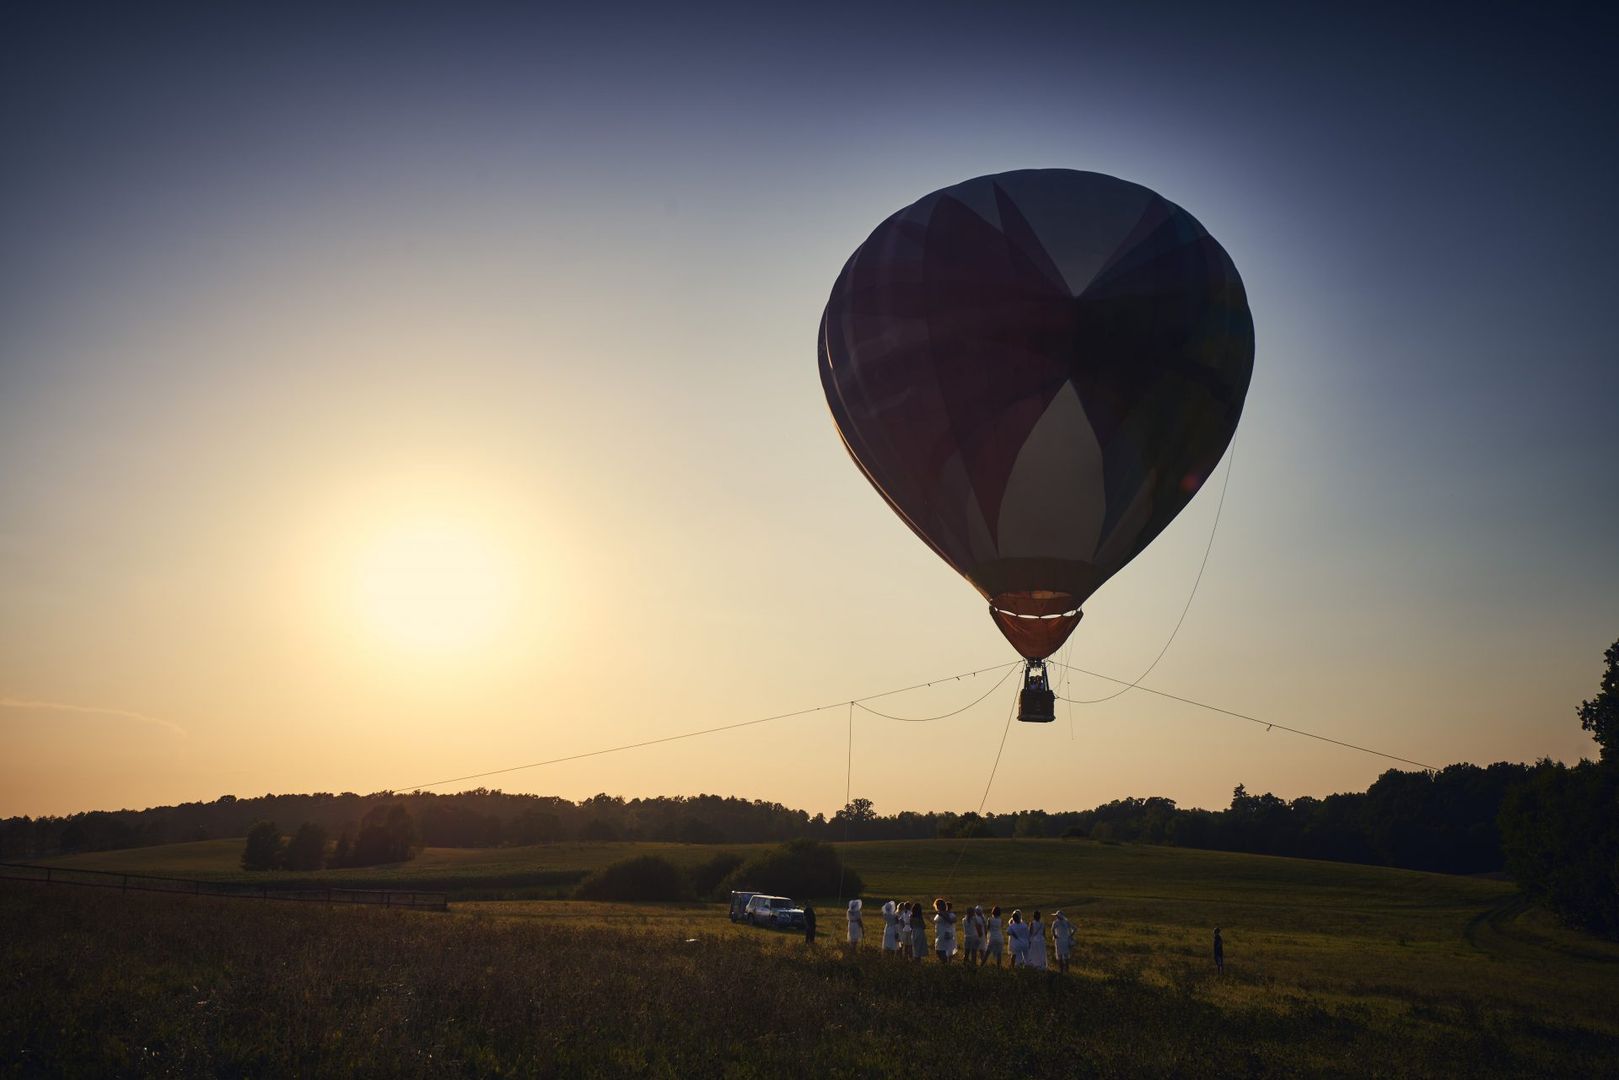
<point x="856" y="929"/>
<point x="1062" y="940"/>
<point x="919" y="932"/>
<point x="994" y="942"/>
<point x="1017" y="934"/>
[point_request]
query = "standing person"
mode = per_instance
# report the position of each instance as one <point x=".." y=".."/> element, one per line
<point x="972" y="934"/>
<point x="809" y="924"/>
<point x="1062" y="940"/>
<point x="944" y="931"/>
<point x="1017" y="937"/>
<point x="919" y="932"/>
<point x="1037" y="943"/>
<point x="890" y="928"/>
<point x="994" y="940"/>
<point x="1219" y="953"/>
<point x="856" y="929"/>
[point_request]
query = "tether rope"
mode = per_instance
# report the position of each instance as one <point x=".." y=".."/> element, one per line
<point x="1268" y="724"/>
<point x="706" y="731"/>
<point x="1010" y="713"/>
<point x="848" y="794"/>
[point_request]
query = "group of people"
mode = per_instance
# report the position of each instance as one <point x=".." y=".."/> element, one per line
<point x="982" y="936"/>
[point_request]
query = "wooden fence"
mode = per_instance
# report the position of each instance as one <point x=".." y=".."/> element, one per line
<point x="306" y="892"/>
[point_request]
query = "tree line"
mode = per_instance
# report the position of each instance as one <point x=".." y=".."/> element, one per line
<point x="478" y="818"/>
<point x="1554" y="827"/>
<point x="1445" y="821"/>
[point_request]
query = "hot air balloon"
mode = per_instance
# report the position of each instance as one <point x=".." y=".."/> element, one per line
<point x="1037" y="370"/>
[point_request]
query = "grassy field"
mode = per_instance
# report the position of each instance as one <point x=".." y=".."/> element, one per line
<point x="1331" y="969"/>
<point x="544" y="870"/>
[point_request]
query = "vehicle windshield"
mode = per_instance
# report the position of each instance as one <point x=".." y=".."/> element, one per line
<point x="781" y="901"/>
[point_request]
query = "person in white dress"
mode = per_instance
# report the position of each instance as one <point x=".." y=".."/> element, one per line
<point x="919" y="932"/>
<point x="1017" y="938"/>
<point x="972" y="935"/>
<point x="1037" y="943"/>
<point x="856" y="929"/>
<point x="890" y="929"/>
<point x="994" y="940"/>
<point x="1062" y="940"/>
<point x="944" y="931"/>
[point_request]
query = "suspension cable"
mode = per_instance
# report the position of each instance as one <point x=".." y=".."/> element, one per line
<point x="1267" y="724"/>
<point x="941" y="716"/>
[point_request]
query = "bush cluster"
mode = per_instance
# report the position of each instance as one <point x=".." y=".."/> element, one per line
<point x="799" y="868"/>
<point x="645" y="877"/>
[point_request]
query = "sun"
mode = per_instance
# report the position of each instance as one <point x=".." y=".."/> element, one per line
<point x="434" y="586"/>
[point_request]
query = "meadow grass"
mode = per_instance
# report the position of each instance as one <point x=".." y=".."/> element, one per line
<point x="541" y="870"/>
<point x="1331" y="969"/>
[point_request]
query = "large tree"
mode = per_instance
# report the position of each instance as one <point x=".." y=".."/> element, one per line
<point x="1600" y="715"/>
<point x="1560" y="826"/>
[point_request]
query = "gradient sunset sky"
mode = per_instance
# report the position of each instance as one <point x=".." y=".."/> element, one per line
<point x="394" y="393"/>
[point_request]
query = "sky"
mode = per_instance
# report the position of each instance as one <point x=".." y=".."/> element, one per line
<point x="398" y="393"/>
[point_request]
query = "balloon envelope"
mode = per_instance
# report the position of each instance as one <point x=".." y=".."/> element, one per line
<point x="1037" y="370"/>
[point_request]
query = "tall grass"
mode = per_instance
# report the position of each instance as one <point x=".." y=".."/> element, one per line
<point x="98" y="984"/>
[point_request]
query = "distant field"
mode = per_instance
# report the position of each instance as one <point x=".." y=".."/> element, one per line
<point x="540" y="870"/>
<point x="1330" y="968"/>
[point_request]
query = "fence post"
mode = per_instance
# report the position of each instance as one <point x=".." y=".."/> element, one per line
<point x="126" y="884"/>
<point x="47" y="875"/>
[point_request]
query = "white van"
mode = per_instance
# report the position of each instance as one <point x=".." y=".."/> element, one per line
<point x="776" y="912"/>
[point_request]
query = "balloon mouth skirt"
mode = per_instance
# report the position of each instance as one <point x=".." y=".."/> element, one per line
<point x="1035" y="623"/>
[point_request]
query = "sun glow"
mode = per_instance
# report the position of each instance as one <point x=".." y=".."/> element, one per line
<point x="434" y="586"/>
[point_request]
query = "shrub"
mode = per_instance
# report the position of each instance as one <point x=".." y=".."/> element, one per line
<point x="646" y="877"/>
<point x="798" y="868"/>
<point x="263" y="848"/>
<point x="307" y="849"/>
<point x="387" y="835"/>
<point x="707" y="877"/>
